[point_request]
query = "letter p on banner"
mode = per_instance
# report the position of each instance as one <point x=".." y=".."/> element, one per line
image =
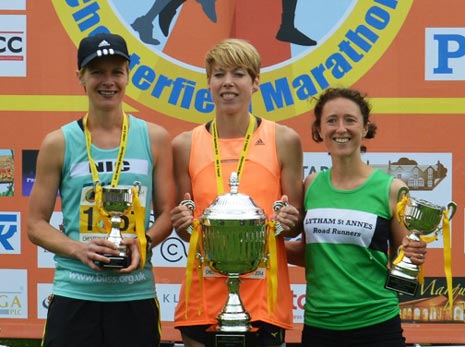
<point x="445" y="54"/>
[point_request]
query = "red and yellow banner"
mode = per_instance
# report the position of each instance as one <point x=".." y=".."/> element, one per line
<point x="408" y="56"/>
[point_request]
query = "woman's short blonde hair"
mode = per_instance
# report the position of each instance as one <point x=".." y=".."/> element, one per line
<point x="231" y="53"/>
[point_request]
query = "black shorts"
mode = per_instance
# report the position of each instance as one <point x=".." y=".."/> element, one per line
<point x="267" y="334"/>
<point x="385" y="334"/>
<point x="77" y="323"/>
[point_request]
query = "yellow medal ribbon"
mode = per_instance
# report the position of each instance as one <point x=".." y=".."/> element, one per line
<point x="93" y="166"/>
<point x="216" y="151"/>
<point x="122" y="150"/>
<point x="138" y="210"/>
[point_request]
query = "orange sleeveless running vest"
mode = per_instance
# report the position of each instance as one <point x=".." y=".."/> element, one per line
<point x="261" y="181"/>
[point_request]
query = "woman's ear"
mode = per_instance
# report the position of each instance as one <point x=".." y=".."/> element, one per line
<point x="255" y="84"/>
<point x="80" y="77"/>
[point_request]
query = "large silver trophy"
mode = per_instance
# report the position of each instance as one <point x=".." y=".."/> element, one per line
<point x="234" y="243"/>
<point x="116" y="202"/>
<point x="421" y="218"/>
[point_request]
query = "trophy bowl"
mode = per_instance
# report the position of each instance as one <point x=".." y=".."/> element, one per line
<point x="234" y="238"/>
<point x="117" y="201"/>
<point x="421" y="218"/>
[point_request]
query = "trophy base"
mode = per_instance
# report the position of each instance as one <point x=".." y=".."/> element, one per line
<point x="216" y="338"/>
<point x="116" y="262"/>
<point x="401" y="284"/>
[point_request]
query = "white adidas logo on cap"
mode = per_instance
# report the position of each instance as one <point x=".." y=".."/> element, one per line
<point x="103" y="43"/>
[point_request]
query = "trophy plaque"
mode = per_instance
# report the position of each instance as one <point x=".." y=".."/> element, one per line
<point x="421" y="218"/>
<point x="116" y="202"/>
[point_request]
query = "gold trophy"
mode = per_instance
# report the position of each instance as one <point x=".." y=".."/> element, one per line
<point x="116" y="202"/>
<point x="421" y="218"/>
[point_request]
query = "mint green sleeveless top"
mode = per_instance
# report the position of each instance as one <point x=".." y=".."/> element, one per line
<point x="72" y="278"/>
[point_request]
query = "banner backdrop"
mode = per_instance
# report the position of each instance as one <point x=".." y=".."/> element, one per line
<point x="408" y="56"/>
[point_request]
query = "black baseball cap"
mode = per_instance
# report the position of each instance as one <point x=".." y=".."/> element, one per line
<point x="101" y="45"/>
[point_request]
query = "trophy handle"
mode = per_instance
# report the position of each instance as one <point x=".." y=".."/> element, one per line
<point x="189" y="203"/>
<point x="402" y="191"/>
<point x="451" y="207"/>
<point x="402" y="197"/>
<point x="137" y="185"/>
<point x="277" y="205"/>
<point x="191" y="206"/>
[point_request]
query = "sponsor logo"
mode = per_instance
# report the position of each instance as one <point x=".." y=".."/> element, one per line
<point x="12" y="4"/>
<point x="168" y="297"/>
<point x="445" y="54"/>
<point x="172" y="252"/>
<point x="29" y="170"/>
<point x="13" y="45"/>
<point x="10" y="235"/>
<point x="173" y="249"/>
<point x="298" y="301"/>
<point x="430" y="303"/>
<point x="13" y="294"/>
<point x="44" y="292"/>
<point x="7" y="172"/>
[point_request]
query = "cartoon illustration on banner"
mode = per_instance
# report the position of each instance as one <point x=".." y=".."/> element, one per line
<point x="167" y="77"/>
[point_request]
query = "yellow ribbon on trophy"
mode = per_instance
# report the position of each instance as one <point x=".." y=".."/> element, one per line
<point x="447" y="257"/>
<point x="272" y="277"/>
<point x="99" y="206"/>
<point x="400" y="209"/>
<point x="191" y="256"/>
<point x="401" y="205"/>
<point x="140" y="229"/>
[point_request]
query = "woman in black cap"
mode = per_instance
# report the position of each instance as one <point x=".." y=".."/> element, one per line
<point x="103" y="293"/>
